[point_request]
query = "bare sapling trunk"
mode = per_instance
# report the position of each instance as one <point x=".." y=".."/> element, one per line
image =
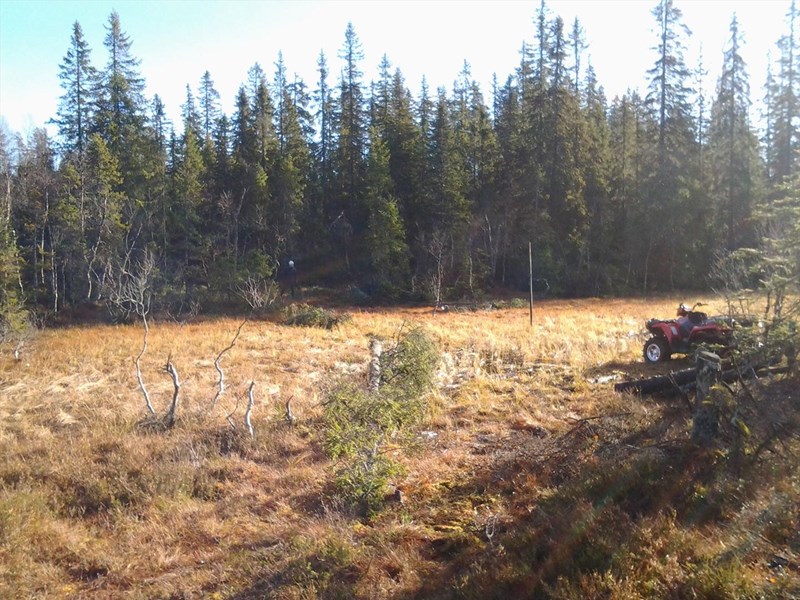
<point x="248" y="413"/>
<point x="91" y="256"/>
<point x="436" y="247"/>
<point x="176" y="384"/>
<point x="221" y="379"/>
<point x="54" y="276"/>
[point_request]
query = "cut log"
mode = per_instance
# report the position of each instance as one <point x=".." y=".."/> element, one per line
<point x="657" y="383"/>
<point x="686" y="380"/>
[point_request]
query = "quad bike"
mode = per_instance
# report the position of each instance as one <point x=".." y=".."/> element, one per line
<point x="681" y="335"/>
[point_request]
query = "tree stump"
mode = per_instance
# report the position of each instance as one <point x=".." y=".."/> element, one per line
<point x="375" y="351"/>
<point x="705" y="424"/>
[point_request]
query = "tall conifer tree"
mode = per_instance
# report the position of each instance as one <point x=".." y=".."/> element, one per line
<point x="668" y="189"/>
<point x="733" y="150"/>
<point x="78" y="80"/>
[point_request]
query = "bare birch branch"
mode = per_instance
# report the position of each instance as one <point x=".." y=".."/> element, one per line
<point x="139" y="378"/>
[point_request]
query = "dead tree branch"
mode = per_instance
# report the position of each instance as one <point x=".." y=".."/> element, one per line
<point x="170" y="368"/>
<point x="290" y="418"/>
<point x="229" y="416"/>
<point x="247" y="413"/>
<point x="221" y="380"/>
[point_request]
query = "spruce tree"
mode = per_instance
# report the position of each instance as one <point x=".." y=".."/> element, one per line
<point x="291" y="167"/>
<point x="510" y="219"/>
<point x="733" y="151"/>
<point x="120" y="99"/>
<point x="351" y="134"/>
<point x="668" y="208"/>
<point x="406" y="147"/>
<point x="784" y="106"/>
<point x="209" y="111"/>
<point x="627" y="138"/>
<point x="450" y="210"/>
<point x="563" y="183"/>
<point x="186" y="239"/>
<point x="78" y="80"/>
<point x="386" y="253"/>
<point x="324" y="147"/>
<point x="191" y="116"/>
<point x="594" y="153"/>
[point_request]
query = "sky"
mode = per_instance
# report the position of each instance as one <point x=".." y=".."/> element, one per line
<point x="178" y="40"/>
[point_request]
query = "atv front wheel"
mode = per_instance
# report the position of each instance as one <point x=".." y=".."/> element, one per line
<point x="656" y="350"/>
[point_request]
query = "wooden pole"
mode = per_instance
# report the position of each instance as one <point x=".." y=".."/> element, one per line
<point x="530" y="280"/>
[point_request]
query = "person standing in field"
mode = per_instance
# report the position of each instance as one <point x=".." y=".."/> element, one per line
<point x="292" y="276"/>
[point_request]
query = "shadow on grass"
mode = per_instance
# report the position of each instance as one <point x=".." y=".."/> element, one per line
<point x="610" y="499"/>
<point x="639" y="370"/>
<point x="618" y="506"/>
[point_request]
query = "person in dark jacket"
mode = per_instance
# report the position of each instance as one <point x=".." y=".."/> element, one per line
<point x="684" y="322"/>
<point x="292" y="278"/>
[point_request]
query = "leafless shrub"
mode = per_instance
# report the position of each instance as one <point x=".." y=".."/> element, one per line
<point x="17" y="333"/>
<point x="259" y="293"/>
<point x="130" y="289"/>
<point x="130" y="294"/>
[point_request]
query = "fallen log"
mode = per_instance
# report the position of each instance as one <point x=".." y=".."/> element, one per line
<point x="686" y="380"/>
<point x="657" y="383"/>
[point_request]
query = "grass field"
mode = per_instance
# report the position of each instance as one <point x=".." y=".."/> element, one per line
<point x="529" y="477"/>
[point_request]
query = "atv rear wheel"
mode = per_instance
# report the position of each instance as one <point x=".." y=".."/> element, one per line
<point x="656" y="350"/>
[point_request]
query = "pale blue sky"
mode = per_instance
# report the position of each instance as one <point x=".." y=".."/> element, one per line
<point x="177" y="40"/>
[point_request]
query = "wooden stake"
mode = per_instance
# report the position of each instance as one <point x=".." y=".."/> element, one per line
<point x="530" y="280"/>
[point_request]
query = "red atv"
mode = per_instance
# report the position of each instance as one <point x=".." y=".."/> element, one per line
<point x="681" y="335"/>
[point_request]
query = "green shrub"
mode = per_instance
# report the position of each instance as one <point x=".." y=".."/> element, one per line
<point x="407" y="369"/>
<point x="513" y="303"/>
<point x="358" y="422"/>
<point x="362" y="480"/>
<point x="304" y="315"/>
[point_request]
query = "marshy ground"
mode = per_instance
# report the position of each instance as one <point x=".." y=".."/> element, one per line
<point x="530" y="477"/>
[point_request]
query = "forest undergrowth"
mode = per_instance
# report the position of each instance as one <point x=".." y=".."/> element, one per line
<point x="522" y="475"/>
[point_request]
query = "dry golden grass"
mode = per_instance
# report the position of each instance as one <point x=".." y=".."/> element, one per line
<point x="96" y="504"/>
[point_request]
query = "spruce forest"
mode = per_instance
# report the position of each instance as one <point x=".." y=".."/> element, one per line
<point x="365" y="186"/>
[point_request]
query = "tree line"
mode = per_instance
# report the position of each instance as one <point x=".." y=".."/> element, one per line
<point x="401" y="197"/>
